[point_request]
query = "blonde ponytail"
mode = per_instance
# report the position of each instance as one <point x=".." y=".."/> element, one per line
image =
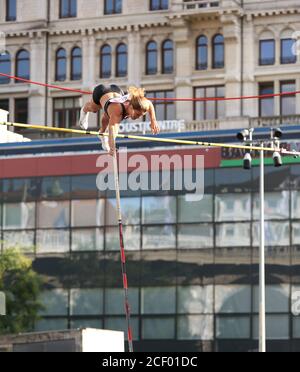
<point x="138" y="100"/>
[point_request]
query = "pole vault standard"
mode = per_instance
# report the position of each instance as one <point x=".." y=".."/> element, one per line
<point x="122" y="251"/>
<point x="152" y="139"/>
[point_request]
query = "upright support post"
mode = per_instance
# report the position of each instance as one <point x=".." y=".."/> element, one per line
<point x="122" y="251"/>
<point x="262" y="273"/>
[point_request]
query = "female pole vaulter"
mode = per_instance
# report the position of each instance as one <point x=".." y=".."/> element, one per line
<point x="117" y="106"/>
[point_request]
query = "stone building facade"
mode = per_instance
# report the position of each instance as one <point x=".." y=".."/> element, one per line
<point x="39" y="28"/>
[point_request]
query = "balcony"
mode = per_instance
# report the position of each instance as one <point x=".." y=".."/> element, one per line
<point x="192" y="6"/>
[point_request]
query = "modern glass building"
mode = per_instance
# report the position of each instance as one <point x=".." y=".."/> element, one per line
<point x="192" y="266"/>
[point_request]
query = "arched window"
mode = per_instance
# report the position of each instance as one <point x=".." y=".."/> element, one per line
<point x="76" y="64"/>
<point x="151" y="58"/>
<point x="121" y="66"/>
<point x="61" y="65"/>
<point x="105" y="62"/>
<point x="23" y="65"/>
<point x="218" y="52"/>
<point x="5" y="67"/>
<point x="202" y="53"/>
<point x="167" y="57"/>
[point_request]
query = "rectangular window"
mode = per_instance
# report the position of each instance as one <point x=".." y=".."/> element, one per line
<point x="132" y="238"/>
<point x="288" y="54"/>
<point x="53" y="214"/>
<point x="11" y="10"/>
<point x="131" y="208"/>
<point x="277" y="206"/>
<point x="112" y="7"/>
<point x="277" y="234"/>
<point x="114" y="301"/>
<point x="158" y="300"/>
<point x="86" y="301"/>
<point x="231" y="208"/>
<point x="159" y="4"/>
<point x="266" y="52"/>
<point x="53" y="241"/>
<point x="266" y="104"/>
<point x="21" y="110"/>
<point x="159" y="237"/>
<point x="209" y="109"/>
<point x="159" y="210"/>
<point x="195" y="236"/>
<point x="233" y="235"/>
<point x="84" y="240"/>
<point x="196" y="211"/>
<point x="229" y="328"/>
<point x="87" y="213"/>
<point x="68" y="8"/>
<point x="165" y="110"/>
<point x="277" y="327"/>
<point x="66" y="112"/>
<point x="4" y="104"/>
<point x="21" y="239"/>
<point x="19" y="216"/>
<point x="195" y="327"/>
<point x="195" y="300"/>
<point x="277" y="298"/>
<point x="55" y="302"/>
<point x="288" y="102"/>
<point x="158" y="328"/>
<point x="232" y="299"/>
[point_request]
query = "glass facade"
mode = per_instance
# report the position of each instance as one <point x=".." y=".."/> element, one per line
<point x="192" y="266"/>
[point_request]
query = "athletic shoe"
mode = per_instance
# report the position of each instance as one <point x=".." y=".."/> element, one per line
<point x="104" y="141"/>
<point x="84" y="120"/>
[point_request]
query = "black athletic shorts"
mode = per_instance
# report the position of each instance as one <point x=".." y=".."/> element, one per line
<point x="101" y="90"/>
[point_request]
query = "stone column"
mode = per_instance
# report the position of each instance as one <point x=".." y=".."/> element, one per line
<point x="183" y="69"/>
<point x="232" y="36"/>
<point x="37" y="73"/>
<point x="134" y="57"/>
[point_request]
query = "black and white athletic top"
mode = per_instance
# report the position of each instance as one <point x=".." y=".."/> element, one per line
<point x="121" y="100"/>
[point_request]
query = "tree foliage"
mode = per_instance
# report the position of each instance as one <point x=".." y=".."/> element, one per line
<point x="22" y="287"/>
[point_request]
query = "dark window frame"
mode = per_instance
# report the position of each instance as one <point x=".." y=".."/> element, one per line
<point x="164" y="50"/>
<point x="69" y="13"/>
<point x="57" y="59"/>
<point x="151" y="71"/>
<point x="284" y="82"/>
<point x="18" y="60"/>
<point x="201" y="66"/>
<point x="216" y="64"/>
<point x="153" y="94"/>
<point x="160" y="6"/>
<point x="74" y="112"/>
<point x="267" y="61"/>
<point x="205" y="102"/>
<point x="261" y="100"/>
<point x="103" y="74"/>
<point x="114" y="8"/>
<point x="6" y="80"/>
<point x="284" y="60"/>
<point x="119" y="73"/>
<point x="74" y="58"/>
<point x="21" y="111"/>
<point x="9" y="17"/>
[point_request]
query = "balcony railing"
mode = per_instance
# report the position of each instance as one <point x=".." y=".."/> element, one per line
<point x="203" y="5"/>
<point x="271" y="121"/>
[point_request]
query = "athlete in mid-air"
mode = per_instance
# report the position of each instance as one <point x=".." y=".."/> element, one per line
<point x="117" y="106"/>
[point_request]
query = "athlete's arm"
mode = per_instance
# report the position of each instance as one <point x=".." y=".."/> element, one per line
<point x="154" y="124"/>
<point x="115" y="118"/>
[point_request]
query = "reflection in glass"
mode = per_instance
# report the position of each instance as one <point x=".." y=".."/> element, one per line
<point x="19" y="216"/>
<point x="276" y="233"/>
<point x="55" y="302"/>
<point x="53" y="214"/>
<point x="86" y="301"/>
<point x="130" y="211"/>
<point x="53" y="241"/>
<point x="233" y="328"/>
<point x="114" y="301"/>
<point x="159" y="237"/>
<point x="233" y="235"/>
<point x="277" y="327"/>
<point x="158" y="300"/>
<point x="195" y="327"/>
<point x="196" y="211"/>
<point x="276" y="206"/>
<point x="87" y="213"/>
<point x="158" y="210"/>
<point x="229" y="207"/>
<point x="21" y="239"/>
<point x="195" y="300"/>
<point x="86" y="323"/>
<point x="56" y="187"/>
<point x="158" y="328"/>
<point x="51" y="325"/>
<point x="119" y="324"/>
<point x="232" y="299"/>
<point x="87" y="240"/>
<point x="132" y="238"/>
<point x="195" y="236"/>
<point x="277" y="298"/>
<point x="84" y="187"/>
